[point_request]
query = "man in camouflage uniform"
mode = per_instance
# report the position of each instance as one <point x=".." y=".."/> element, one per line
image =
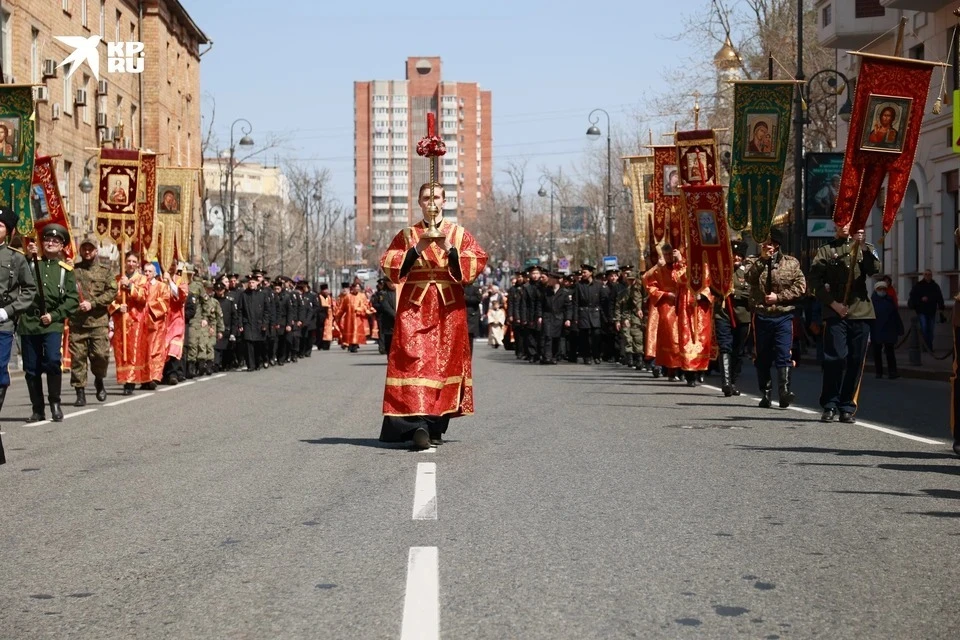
<point x="847" y="315"/>
<point x="776" y="285"/>
<point x="196" y="329"/>
<point x="17" y="291"/>
<point x="630" y="319"/>
<point x="212" y="314"/>
<point x="89" y="326"/>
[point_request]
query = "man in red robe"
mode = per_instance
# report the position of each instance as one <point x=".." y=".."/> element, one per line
<point x="429" y="375"/>
<point x="352" y="316"/>
<point x="152" y="350"/>
<point x="664" y="285"/>
<point x="126" y="312"/>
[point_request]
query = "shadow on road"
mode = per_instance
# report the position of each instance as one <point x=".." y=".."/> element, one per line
<point x="916" y="455"/>
<point x="360" y="442"/>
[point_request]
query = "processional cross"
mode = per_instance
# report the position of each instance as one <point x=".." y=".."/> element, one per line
<point x="431" y="147"/>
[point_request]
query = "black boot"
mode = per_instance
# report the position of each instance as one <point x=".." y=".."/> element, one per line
<point x="128" y="388"/>
<point x="3" y="395"/>
<point x="766" y="386"/>
<point x="786" y="396"/>
<point x="188" y="370"/>
<point x="81" y="400"/>
<point x="726" y="384"/>
<point x="691" y="378"/>
<point x="735" y="367"/>
<point x="54" y="382"/>
<point x="101" y="391"/>
<point x="35" y="389"/>
<point x="657" y="371"/>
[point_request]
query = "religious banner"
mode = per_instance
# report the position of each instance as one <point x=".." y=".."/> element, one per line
<point x="638" y="176"/>
<point x="16" y="152"/>
<point x="697" y="157"/>
<point x="666" y="191"/>
<point x="708" y="240"/>
<point x="884" y="127"/>
<point x="147" y="206"/>
<point x="761" y="136"/>
<point x="45" y="201"/>
<point x="174" y="194"/>
<point x="117" y="195"/>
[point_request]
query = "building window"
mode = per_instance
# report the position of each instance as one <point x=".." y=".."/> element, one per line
<point x="103" y="17"/>
<point x="85" y="110"/>
<point x="133" y="123"/>
<point x="83" y="13"/>
<point x="116" y="31"/>
<point x="34" y="56"/>
<point x="6" y="46"/>
<point x="868" y="9"/>
<point x="66" y="189"/>
<point x="917" y="52"/>
<point x="66" y="6"/>
<point x="827" y="15"/>
<point x="68" y="95"/>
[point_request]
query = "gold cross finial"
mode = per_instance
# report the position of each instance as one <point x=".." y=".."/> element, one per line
<point x="696" y="110"/>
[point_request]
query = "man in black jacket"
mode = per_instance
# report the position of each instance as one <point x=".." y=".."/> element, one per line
<point x="926" y="299"/>
<point x="557" y="316"/>
<point x="589" y="297"/>
<point x="472" y="297"/>
<point x="253" y="321"/>
<point x="532" y="315"/>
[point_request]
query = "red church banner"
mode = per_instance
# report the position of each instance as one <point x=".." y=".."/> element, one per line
<point x="666" y="191"/>
<point x="885" y="124"/>
<point x="708" y="239"/>
<point x="117" y="195"/>
<point x="45" y="199"/>
<point x="146" y="206"/>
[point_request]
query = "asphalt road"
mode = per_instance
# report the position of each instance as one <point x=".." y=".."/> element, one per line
<point x="580" y="502"/>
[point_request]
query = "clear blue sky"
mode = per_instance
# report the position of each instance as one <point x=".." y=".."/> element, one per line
<point x="288" y="66"/>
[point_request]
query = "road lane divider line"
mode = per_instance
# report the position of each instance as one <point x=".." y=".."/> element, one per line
<point x="219" y="375"/>
<point x="425" y="492"/>
<point x="78" y="413"/>
<point x="176" y="386"/>
<point x="421" y="603"/>
<point x="130" y="399"/>
<point x="36" y="424"/>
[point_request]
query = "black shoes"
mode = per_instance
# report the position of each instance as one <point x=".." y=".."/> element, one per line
<point x="828" y="415"/>
<point x="421" y="439"/>
<point x="128" y="389"/>
<point x="81" y="400"/>
<point x="101" y="391"/>
<point x="37" y="417"/>
<point x="56" y="413"/>
<point x="847" y="417"/>
<point x="786" y="395"/>
<point x="956" y="447"/>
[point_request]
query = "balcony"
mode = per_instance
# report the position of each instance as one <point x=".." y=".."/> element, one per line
<point x="851" y="24"/>
<point x="917" y="5"/>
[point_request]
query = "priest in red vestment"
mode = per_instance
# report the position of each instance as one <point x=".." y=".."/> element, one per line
<point x="664" y="285"/>
<point x="126" y="312"/>
<point x="352" y="316"/>
<point x="429" y="375"/>
<point x="155" y="296"/>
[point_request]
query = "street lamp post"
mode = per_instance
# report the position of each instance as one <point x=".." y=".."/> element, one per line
<point x="594" y="131"/>
<point x="521" y="245"/>
<point x="245" y="141"/>
<point x="542" y="193"/>
<point x="316" y="196"/>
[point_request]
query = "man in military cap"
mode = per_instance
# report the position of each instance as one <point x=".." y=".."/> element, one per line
<point x="838" y="277"/>
<point x="557" y="313"/>
<point x="630" y="317"/>
<point x="776" y="286"/>
<point x="588" y="298"/>
<point x="531" y="314"/>
<point x="41" y="328"/>
<point x="209" y="309"/>
<point x="89" y="326"/>
<point x="228" y="313"/>
<point x="325" y="318"/>
<point x="17" y="291"/>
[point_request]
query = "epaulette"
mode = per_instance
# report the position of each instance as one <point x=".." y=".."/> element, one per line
<point x="66" y="265"/>
<point x="20" y="251"/>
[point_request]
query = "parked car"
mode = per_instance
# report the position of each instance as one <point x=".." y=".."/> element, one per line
<point x="367" y="274"/>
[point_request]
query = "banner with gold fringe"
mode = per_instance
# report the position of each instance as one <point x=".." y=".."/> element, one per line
<point x="45" y="200"/>
<point x="17" y="145"/>
<point x="888" y="108"/>
<point x="666" y="193"/>
<point x="761" y="137"/>
<point x="638" y="177"/>
<point x="119" y="172"/>
<point x="708" y="240"/>
<point x="175" y="192"/>
<point x="697" y="156"/>
<point x="147" y="206"/>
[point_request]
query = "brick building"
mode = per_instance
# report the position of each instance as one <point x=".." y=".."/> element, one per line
<point x="158" y="109"/>
<point x="389" y="118"/>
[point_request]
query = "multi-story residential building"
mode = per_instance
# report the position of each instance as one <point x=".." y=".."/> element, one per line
<point x="922" y="236"/>
<point x="158" y="109"/>
<point x="390" y="116"/>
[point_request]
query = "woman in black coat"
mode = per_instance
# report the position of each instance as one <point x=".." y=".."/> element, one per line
<point x="473" y="297"/>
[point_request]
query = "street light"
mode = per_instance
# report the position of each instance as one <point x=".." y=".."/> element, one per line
<point x="543" y="193"/>
<point x="594" y="132"/>
<point x="316" y="196"/>
<point x="521" y="246"/>
<point x="245" y="141"/>
<point x="799" y="219"/>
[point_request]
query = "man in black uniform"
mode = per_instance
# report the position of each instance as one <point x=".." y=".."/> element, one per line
<point x="472" y="298"/>
<point x="515" y="314"/>
<point x="588" y="299"/>
<point x="532" y="315"/>
<point x="847" y="312"/>
<point x="230" y="326"/>
<point x="252" y="323"/>
<point x="388" y="313"/>
<point x="570" y="342"/>
<point x="557" y="310"/>
<point x="732" y="319"/>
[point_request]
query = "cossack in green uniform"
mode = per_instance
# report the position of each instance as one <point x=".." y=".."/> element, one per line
<point x="89" y="338"/>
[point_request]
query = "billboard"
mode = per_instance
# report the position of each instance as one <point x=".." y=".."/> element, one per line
<point x="574" y="220"/>
<point x="821" y="183"/>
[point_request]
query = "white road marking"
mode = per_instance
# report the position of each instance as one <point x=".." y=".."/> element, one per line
<point x="37" y="424"/>
<point x="710" y="386"/>
<point x="425" y="492"/>
<point x="421" y="604"/>
<point x="219" y="375"/>
<point x="130" y="399"/>
<point x="802" y="410"/>
<point x="176" y="386"/>
<point x="77" y="413"/>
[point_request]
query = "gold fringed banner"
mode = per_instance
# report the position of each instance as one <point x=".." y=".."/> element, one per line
<point x="147" y="207"/>
<point x="16" y="152"/>
<point x="117" y="195"/>
<point x="638" y="176"/>
<point x="697" y="157"/>
<point x="666" y="194"/>
<point x="175" y="192"/>
<point x="46" y="201"/>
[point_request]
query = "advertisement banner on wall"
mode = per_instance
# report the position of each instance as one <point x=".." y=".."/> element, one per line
<point x="821" y="183"/>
